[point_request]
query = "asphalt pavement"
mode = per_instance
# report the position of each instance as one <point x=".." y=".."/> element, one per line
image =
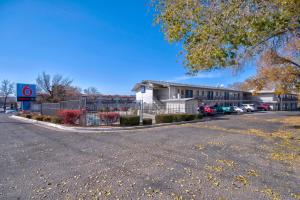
<point x="253" y="156"/>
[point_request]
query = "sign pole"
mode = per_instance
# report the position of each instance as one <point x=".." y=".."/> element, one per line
<point x="143" y="90"/>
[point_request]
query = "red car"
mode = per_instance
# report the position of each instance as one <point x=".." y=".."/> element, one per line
<point x="209" y="110"/>
<point x="264" y="107"/>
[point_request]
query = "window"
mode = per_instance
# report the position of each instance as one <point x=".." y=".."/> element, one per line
<point x="188" y="93"/>
<point x="226" y="95"/>
<point x="210" y="95"/>
<point x="202" y="93"/>
<point x="198" y="93"/>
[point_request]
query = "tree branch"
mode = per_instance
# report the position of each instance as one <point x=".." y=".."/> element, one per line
<point x="291" y="62"/>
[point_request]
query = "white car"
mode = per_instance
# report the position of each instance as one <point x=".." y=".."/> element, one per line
<point x="10" y="111"/>
<point x="238" y="109"/>
<point x="249" y="107"/>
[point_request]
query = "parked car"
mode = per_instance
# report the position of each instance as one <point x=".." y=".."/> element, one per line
<point x="239" y="109"/>
<point x="209" y="110"/>
<point x="10" y="111"/>
<point x="264" y="107"/>
<point x="224" y="109"/>
<point x="250" y="107"/>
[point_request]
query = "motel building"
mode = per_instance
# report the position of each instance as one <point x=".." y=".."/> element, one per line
<point x="185" y="98"/>
<point x="277" y="102"/>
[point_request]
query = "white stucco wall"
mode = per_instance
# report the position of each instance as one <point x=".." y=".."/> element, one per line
<point x="191" y="106"/>
<point x="147" y="97"/>
<point x="266" y="98"/>
<point x="175" y="106"/>
<point x="182" y="106"/>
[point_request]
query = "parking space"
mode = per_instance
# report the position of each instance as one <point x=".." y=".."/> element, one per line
<point x="249" y="156"/>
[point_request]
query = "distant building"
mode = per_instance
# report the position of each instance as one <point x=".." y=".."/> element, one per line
<point x="277" y="102"/>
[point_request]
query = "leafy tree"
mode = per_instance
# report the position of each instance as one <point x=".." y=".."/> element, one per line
<point x="56" y="88"/>
<point x="220" y="34"/>
<point x="275" y="70"/>
<point x="6" y="89"/>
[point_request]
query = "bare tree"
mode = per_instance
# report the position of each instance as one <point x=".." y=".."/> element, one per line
<point x="6" y="89"/>
<point x="56" y="88"/>
<point x="91" y="91"/>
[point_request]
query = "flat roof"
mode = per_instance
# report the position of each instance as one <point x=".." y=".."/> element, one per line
<point x="166" y="84"/>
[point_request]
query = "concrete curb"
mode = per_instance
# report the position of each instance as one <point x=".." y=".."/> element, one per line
<point x="97" y="129"/>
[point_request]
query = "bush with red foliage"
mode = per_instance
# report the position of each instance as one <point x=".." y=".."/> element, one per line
<point x="69" y="116"/>
<point x="109" y="117"/>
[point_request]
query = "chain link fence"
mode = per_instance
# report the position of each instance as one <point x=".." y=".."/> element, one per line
<point x="94" y="113"/>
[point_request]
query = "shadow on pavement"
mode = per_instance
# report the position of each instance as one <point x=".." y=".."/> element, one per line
<point x="14" y="122"/>
<point x="215" y="118"/>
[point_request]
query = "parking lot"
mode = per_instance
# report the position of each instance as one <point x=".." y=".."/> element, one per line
<point x="250" y="156"/>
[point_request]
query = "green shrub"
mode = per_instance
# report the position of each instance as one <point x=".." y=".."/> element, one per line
<point x="189" y="117"/>
<point x="184" y="117"/>
<point x="56" y="120"/>
<point x="147" y="121"/>
<point x="164" y="118"/>
<point x="129" y="120"/>
<point x="169" y="118"/>
<point x="29" y="116"/>
<point x="199" y="116"/>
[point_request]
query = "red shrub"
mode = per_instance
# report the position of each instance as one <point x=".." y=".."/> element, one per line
<point x="69" y="116"/>
<point x="109" y="117"/>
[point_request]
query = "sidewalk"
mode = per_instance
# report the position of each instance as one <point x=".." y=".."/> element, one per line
<point x="96" y="129"/>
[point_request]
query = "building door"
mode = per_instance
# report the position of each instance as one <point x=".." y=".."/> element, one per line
<point x="188" y="93"/>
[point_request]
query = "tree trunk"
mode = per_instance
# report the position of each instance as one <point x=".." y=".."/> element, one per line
<point x="4" y="104"/>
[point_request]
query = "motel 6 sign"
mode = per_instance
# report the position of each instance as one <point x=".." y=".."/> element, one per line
<point x="26" y="92"/>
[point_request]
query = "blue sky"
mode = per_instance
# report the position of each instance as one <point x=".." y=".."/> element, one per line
<point x="110" y="45"/>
